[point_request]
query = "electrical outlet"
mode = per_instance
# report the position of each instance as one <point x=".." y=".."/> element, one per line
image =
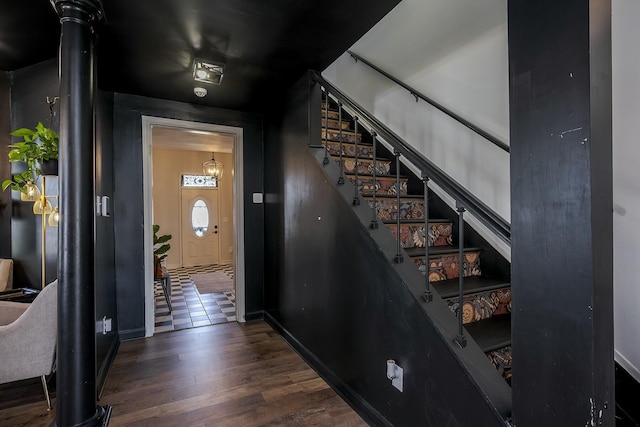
<point x="395" y="374"/>
<point x="106" y="325"/>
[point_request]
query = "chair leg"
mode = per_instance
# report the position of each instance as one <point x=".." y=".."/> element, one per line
<point x="46" y="392"/>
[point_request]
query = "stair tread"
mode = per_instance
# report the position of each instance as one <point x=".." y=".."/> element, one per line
<point x="416" y="221"/>
<point x="378" y="175"/>
<point x="438" y="250"/>
<point x="393" y="196"/>
<point x="472" y="284"/>
<point x="492" y="333"/>
<point x="361" y="143"/>
<point x="335" y="126"/>
<point x="361" y="159"/>
<point x="347" y="131"/>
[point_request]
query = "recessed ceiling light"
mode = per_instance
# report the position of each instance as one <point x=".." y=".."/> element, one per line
<point x="207" y="71"/>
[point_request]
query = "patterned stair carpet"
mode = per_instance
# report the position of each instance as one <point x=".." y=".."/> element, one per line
<point x="190" y="308"/>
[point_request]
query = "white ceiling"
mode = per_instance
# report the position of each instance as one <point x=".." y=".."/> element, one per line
<point x="168" y="138"/>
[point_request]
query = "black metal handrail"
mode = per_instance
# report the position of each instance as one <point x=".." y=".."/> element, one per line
<point x="492" y="220"/>
<point x="486" y="135"/>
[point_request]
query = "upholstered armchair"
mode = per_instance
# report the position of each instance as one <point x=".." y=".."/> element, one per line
<point x="28" y="338"/>
<point x="6" y="274"/>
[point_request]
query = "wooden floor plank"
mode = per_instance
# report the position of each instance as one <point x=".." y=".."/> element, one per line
<point x="221" y="375"/>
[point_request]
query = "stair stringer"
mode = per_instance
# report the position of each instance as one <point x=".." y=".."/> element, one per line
<point x="470" y="360"/>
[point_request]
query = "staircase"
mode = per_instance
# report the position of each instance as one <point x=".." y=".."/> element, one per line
<point x="486" y="303"/>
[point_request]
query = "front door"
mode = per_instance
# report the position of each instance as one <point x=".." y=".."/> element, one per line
<point x="200" y="243"/>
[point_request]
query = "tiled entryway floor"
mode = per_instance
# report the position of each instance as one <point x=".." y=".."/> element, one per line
<point x="190" y="308"/>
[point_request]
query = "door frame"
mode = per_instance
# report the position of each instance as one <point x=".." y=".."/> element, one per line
<point x="182" y="218"/>
<point x="148" y="122"/>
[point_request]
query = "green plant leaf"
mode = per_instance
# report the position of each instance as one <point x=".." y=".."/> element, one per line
<point x="22" y="132"/>
<point x="163" y="239"/>
<point x="6" y="183"/>
<point x="162" y="249"/>
<point x="159" y="243"/>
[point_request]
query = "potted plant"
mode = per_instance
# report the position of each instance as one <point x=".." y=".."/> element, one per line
<point x="38" y="147"/>
<point x="160" y="249"/>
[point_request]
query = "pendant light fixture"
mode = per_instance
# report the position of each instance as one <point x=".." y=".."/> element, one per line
<point x="54" y="218"/>
<point x="42" y="206"/>
<point x="30" y="192"/>
<point x="213" y="168"/>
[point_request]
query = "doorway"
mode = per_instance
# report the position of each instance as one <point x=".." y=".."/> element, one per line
<point x="200" y="227"/>
<point x="233" y="247"/>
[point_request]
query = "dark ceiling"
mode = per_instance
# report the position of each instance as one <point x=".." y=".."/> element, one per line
<point x="146" y="47"/>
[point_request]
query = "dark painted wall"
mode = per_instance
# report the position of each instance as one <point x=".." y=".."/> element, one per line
<point x="104" y="236"/>
<point x="5" y="166"/>
<point x="29" y="90"/>
<point x="561" y="220"/>
<point x="338" y="299"/>
<point x="129" y="209"/>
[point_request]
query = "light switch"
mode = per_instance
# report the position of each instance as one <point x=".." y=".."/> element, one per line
<point x="105" y="211"/>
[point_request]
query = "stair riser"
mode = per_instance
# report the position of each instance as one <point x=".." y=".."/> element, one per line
<point x="347" y="136"/>
<point x="387" y="209"/>
<point x="412" y="236"/>
<point x="349" y="150"/>
<point x="364" y="166"/>
<point x="501" y="359"/>
<point x="334" y="115"/>
<point x="443" y="267"/>
<point x="482" y="305"/>
<point x="382" y="186"/>
<point x="334" y="123"/>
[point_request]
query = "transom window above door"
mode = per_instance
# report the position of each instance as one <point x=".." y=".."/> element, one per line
<point x="199" y="181"/>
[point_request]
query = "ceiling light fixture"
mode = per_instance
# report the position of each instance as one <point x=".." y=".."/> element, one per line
<point x="207" y="71"/>
<point x="200" y="92"/>
<point x="213" y="168"/>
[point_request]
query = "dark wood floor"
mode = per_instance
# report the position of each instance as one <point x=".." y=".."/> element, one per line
<point x="222" y="375"/>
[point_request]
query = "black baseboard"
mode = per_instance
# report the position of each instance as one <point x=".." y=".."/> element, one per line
<point x="627" y="392"/>
<point x="254" y="315"/>
<point x="132" y="334"/>
<point x="368" y="413"/>
<point x="103" y="372"/>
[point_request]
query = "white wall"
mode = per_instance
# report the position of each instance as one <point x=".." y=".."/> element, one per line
<point x="456" y="52"/>
<point x="626" y="182"/>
